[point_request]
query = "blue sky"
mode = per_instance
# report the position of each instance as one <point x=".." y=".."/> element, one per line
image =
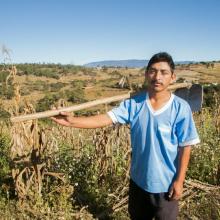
<point x="81" y="31"/>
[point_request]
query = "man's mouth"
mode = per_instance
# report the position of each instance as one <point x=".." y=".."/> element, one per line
<point x="156" y="83"/>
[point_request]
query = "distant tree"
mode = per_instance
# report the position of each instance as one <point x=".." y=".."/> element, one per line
<point x="180" y="80"/>
<point x="202" y="62"/>
<point x="207" y="65"/>
<point x="104" y="68"/>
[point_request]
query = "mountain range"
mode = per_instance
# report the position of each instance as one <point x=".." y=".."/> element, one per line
<point x="131" y="63"/>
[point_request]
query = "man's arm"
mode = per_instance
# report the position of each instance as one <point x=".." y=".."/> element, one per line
<point x="177" y="187"/>
<point x="97" y="121"/>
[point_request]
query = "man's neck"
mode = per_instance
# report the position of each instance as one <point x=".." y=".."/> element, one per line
<point x="159" y="96"/>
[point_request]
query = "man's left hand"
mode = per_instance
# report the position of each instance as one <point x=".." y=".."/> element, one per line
<point x="176" y="190"/>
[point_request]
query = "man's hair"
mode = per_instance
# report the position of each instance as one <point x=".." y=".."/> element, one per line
<point x="161" y="57"/>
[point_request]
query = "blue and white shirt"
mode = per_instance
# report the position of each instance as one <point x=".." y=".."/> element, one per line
<point x="155" y="138"/>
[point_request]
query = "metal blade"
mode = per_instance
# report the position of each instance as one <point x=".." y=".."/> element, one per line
<point x="193" y="95"/>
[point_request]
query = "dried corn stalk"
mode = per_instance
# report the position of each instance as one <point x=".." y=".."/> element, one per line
<point x="32" y="151"/>
<point x="108" y="144"/>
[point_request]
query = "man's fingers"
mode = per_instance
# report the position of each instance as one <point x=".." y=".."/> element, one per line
<point x="175" y="197"/>
<point x="61" y="114"/>
<point x="54" y="119"/>
<point x="170" y="193"/>
<point x="65" y="113"/>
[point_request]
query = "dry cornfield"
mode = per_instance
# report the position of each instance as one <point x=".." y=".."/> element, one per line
<point x="63" y="173"/>
<point x="111" y="148"/>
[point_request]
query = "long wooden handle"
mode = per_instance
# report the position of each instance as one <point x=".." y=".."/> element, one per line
<point x="51" y="113"/>
<point x="86" y="105"/>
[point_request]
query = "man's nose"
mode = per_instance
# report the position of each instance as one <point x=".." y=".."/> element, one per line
<point x="158" y="75"/>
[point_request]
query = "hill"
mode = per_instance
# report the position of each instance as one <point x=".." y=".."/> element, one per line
<point x="131" y="63"/>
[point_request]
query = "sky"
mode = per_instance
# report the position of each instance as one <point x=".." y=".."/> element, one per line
<point x="82" y="31"/>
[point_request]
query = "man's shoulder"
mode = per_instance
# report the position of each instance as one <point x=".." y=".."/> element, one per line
<point x="180" y="102"/>
<point x="181" y="107"/>
<point x="138" y="97"/>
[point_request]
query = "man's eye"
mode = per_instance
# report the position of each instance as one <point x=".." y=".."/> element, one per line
<point x="152" y="71"/>
<point x="165" y="72"/>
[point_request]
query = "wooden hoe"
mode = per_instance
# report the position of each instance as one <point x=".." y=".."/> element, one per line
<point x="193" y="94"/>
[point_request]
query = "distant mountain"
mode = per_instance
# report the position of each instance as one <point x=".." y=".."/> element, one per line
<point x="118" y="63"/>
<point x="132" y="63"/>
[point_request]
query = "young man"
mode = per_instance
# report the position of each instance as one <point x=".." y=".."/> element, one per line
<point x="162" y="131"/>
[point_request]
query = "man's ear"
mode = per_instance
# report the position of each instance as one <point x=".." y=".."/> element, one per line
<point x="173" y="78"/>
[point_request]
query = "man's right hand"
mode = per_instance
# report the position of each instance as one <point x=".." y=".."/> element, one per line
<point x="64" y="118"/>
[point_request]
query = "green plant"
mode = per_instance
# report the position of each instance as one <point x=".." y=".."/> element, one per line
<point x="205" y="164"/>
<point x="211" y="95"/>
<point x="55" y="87"/>
<point x="46" y="102"/>
<point x="4" y="115"/>
<point x="4" y="156"/>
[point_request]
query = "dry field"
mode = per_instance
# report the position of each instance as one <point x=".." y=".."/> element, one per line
<point x="102" y="83"/>
<point x="51" y="172"/>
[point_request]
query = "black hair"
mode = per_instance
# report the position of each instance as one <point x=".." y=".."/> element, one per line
<point x="161" y="57"/>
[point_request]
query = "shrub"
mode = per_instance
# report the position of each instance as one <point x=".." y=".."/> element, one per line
<point x="78" y="84"/>
<point x="204" y="164"/>
<point x="116" y="74"/>
<point x="180" y="80"/>
<point x="46" y="102"/>
<point x="6" y="92"/>
<point x="48" y="73"/>
<point x="46" y="70"/>
<point x="55" y="87"/>
<point x="75" y="96"/>
<point x="211" y="95"/>
<point x="4" y="115"/>
<point x="3" y="76"/>
<point x="38" y="85"/>
<point x="4" y="157"/>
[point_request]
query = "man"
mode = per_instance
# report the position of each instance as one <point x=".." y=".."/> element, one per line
<point x="162" y="131"/>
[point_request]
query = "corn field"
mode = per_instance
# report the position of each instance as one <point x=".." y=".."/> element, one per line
<point x="54" y="172"/>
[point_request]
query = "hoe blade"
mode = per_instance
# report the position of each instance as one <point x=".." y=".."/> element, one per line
<point x="193" y="95"/>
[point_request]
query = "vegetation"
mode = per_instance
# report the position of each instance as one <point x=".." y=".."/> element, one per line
<point x="48" y="70"/>
<point x="6" y="86"/>
<point x="96" y="164"/>
<point x="75" y="96"/>
<point x="84" y="174"/>
<point x="211" y="95"/>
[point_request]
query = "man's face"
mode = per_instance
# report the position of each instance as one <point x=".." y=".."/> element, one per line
<point x="159" y="76"/>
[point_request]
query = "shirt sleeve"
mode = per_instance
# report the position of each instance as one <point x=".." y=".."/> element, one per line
<point x="185" y="128"/>
<point x="121" y="114"/>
